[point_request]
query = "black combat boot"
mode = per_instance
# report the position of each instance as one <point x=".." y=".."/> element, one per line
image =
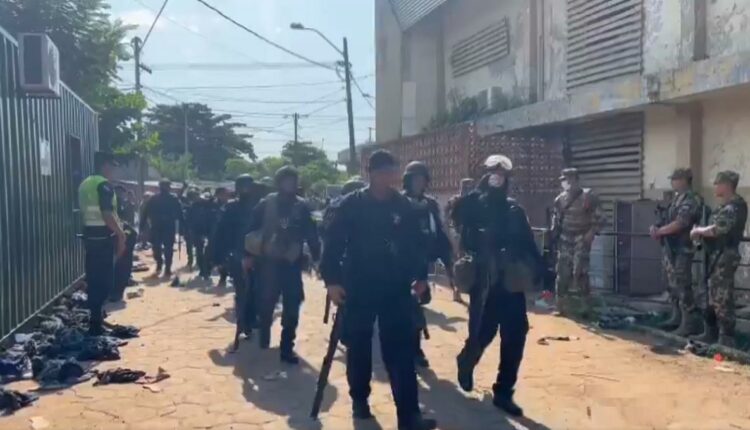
<point x="466" y="362"/>
<point x="690" y="325"/>
<point x="361" y="410"/>
<point x="265" y="338"/>
<point x="675" y="318"/>
<point x="710" y="333"/>
<point x="417" y="422"/>
<point x="504" y="401"/>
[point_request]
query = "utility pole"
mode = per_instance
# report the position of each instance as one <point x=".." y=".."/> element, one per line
<point x="185" y="117"/>
<point x="141" y="161"/>
<point x="353" y="162"/>
<point x="369" y="139"/>
<point x="296" y="127"/>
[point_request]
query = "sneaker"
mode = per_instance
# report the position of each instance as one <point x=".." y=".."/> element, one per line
<point x="506" y="403"/>
<point x="361" y="410"/>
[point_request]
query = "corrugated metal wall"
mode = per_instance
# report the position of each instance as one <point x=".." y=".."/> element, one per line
<point x="410" y="12"/>
<point x="480" y="49"/>
<point x="604" y="39"/>
<point x="609" y="155"/>
<point x="39" y="253"/>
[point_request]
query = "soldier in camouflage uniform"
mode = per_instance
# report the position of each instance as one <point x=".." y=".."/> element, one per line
<point x="685" y="210"/>
<point x="576" y="219"/>
<point x="723" y="237"/>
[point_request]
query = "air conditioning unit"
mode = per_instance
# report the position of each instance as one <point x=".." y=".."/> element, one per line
<point x="39" y="62"/>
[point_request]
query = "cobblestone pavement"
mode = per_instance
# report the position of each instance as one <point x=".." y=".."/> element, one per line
<point x="600" y="380"/>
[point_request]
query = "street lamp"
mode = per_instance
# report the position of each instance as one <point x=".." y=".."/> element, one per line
<point x="352" y="167"/>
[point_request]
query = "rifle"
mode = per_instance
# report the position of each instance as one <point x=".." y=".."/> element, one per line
<point x="327" y="312"/>
<point x="662" y="219"/>
<point x="325" y="369"/>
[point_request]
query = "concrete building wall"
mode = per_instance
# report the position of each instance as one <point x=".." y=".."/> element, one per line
<point x="726" y="138"/>
<point x="421" y="63"/>
<point x="555" y="39"/>
<point x="728" y="26"/>
<point x="661" y="148"/>
<point x="388" y="72"/>
<point x="668" y="34"/>
<point x="465" y="18"/>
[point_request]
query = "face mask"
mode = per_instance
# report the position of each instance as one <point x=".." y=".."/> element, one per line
<point x="496" y="181"/>
<point x="565" y="185"/>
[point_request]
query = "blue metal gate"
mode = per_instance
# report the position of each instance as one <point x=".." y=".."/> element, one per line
<point x="46" y="147"/>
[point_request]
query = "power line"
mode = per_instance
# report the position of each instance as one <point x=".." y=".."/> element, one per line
<point x="197" y="33"/>
<point x="362" y="93"/>
<point x="268" y="41"/>
<point x="153" y="24"/>
<point x="230" y="66"/>
<point x="242" y="87"/>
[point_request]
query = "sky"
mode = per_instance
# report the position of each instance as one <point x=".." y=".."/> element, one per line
<point x="198" y="56"/>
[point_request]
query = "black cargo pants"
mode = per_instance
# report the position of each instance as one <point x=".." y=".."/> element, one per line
<point x="100" y="276"/>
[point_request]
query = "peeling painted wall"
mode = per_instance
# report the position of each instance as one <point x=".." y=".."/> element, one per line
<point x="463" y="19"/>
<point x="421" y="63"/>
<point x="728" y="26"/>
<point x="388" y="76"/>
<point x="668" y="34"/>
<point x="661" y="149"/>
<point x="726" y="137"/>
<point x="555" y="42"/>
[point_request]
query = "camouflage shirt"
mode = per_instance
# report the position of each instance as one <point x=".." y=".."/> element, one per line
<point x="687" y="209"/>
<point x="584" y="214"/>
<point x="729" y="222"/>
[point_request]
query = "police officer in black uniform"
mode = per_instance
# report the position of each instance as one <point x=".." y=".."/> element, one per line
<point x="124" y="265"/>
<point x="495" y="230"/>
<point x="228" y="247"/>
<point x="162" y="213"/>
<point x="287" y="223"/>
<point x="103" y="236"/>
<point x="416" y="180"/>
<point x="373" y="265"/>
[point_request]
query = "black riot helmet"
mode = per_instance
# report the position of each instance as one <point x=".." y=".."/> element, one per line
<point x="243" y="184"/>
<point x="351" y="186"/>
<point x="284" y="173"/>
<point x="415" y="168"/>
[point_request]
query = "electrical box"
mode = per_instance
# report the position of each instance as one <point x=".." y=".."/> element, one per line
<point x="39" y="64"/>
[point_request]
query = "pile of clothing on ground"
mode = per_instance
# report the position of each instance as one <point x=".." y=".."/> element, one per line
<point x="56" y="353"/>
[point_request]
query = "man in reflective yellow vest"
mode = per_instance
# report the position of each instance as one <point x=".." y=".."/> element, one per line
<point x="103" y="235"/>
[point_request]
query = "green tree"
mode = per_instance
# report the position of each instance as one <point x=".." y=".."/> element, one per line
<point x="212" y="139"/>
<point x="177" y="169"/>
<point x="302" y="153"/>
<point x="91" y="45"/>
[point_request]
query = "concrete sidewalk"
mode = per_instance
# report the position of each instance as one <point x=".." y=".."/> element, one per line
<point x="601" y="380"/>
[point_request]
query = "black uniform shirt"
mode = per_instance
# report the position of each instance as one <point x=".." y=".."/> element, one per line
<point x="373" y="248"/>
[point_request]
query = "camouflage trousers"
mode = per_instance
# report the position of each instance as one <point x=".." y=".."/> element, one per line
<point x="573" y="256"/>
<point x="721" y="289"/>
<point x="680" y="279"/>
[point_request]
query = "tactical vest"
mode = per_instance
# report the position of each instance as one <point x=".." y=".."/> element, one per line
<point x="735" y="235"/>
<point x="579" y="217"/>
<point x="88" y="200"/>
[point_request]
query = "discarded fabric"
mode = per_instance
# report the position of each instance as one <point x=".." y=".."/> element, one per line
<point x="118" y="376"/>
<point x="11" y="401"/>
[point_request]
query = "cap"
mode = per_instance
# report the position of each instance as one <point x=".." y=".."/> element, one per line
<point x="728" y="177"/>
<point x="102" y="157"/>
<point x="568" y="173"/>
<point x="498" y="161"/>
<point x="417" y="168"/>
<point x="681" y="173"/>
<point x="286" y="172"/>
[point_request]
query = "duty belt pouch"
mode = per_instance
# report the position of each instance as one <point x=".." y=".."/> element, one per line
<point x="465" y="273"/>
<point x="518" y="277"/>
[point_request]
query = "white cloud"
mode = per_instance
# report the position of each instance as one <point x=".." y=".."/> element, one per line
<point x="143" y="18"/>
